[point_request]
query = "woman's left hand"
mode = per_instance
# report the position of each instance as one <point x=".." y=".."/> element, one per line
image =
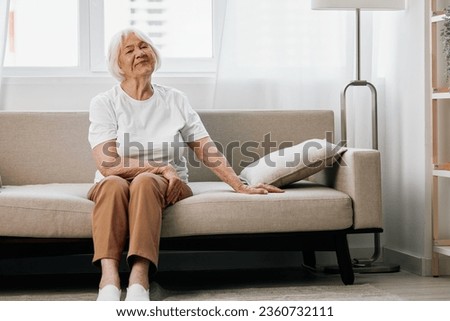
<point x="175" y="184"/>
<point x="260" y="188"/>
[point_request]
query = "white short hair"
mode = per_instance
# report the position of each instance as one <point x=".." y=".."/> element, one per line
<point x="114" y="49"/>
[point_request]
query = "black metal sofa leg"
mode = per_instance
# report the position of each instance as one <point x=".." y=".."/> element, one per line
<point x="344" y="260"/>
<point x="309" y="259"/>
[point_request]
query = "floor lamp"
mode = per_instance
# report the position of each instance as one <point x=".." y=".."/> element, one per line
<point x="362" y="265"/>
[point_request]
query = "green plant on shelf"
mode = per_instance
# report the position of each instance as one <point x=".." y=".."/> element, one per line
<point x="445" y="38"/>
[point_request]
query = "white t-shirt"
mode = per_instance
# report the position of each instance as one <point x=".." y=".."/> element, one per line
<point x="151" y="130"/>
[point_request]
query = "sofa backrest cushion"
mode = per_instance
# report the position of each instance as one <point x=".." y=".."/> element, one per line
<point x="45" y="147"/>
<point x="52" y="147"/>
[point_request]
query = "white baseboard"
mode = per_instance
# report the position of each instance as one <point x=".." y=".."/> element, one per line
<point x="417" y="265"/>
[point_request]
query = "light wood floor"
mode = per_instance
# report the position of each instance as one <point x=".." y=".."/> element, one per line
<point x="405" y="285"/>
<point x="408" y="286"/>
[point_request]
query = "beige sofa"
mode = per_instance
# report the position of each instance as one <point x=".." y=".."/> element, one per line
<point x="46" y="170"/>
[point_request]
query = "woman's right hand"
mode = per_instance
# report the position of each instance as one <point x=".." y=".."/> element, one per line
<point x="258" y="189"/>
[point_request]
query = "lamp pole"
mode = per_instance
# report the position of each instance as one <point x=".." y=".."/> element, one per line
<point x="359" y="83"/>
<point x="366" y="265"/>
<point x="358" y="43"/>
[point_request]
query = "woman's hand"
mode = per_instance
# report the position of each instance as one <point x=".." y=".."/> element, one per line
<point x="174" y="189"/>
<point x="207" y="152"/>
<point x="260" y="188"/>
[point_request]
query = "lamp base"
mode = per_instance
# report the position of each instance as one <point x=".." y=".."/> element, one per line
<point x="372" y="268"/>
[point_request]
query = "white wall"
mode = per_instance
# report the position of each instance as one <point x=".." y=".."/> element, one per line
<point x="405" y="136"/>
<point x="75" y="93"/>
<point x="405" y="203"/>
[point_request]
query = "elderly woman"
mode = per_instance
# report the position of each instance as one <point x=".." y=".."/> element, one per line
<point x="133" y="129"/>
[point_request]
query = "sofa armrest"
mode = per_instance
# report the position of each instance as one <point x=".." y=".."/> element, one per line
<point x="358" y="174"/>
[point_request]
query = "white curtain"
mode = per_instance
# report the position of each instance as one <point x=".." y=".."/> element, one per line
<point x="283" y="55"/>
<point x="4" y="14"/>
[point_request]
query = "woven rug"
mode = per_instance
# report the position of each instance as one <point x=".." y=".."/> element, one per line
<point x="358" y="292"/>
<point x="363" y="292"/>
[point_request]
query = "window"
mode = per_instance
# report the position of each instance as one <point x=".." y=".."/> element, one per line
<point x="38" y="37"/>
<point x="183" y="30"/>
<point x="70" y="37"/>
<point x="179" y="28"/>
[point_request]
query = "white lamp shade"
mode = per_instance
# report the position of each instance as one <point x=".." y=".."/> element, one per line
<point x="358" y="4"/>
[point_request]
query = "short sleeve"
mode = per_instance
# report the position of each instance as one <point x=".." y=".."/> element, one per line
<point x="103" y="126"/>
<point x="193" y="129"/>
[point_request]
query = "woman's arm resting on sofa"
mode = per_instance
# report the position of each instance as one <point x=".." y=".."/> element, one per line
<point x="207" y="152"/>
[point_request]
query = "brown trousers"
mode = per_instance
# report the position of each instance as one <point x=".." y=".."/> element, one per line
<point x="129" y="210"/>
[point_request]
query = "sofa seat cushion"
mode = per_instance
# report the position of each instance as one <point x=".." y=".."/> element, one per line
<point x="46" y="210"/>
<point x="216" y="209"/>
<point x="63" y="211"/>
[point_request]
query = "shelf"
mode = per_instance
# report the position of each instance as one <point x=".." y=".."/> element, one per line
<point x="442" y="242"/>
<point x="441" y="173"/>
<point x="442" y="170"/>
<point x="441" y="93"/>
<point x="443" y="166"/>
<point x="441" y="96"/>
<point x="445" y="250"/>
<point x="438" y="16"/>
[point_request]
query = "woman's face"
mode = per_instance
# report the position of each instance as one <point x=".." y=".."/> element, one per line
<point x="136" y="57"/>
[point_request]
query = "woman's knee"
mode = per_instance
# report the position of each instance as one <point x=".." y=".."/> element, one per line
<point x="147" y="180"/>
<point x="115" y="185"/>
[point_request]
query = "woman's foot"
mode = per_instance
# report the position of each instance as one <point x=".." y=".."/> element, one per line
<point x="137" y="292"/>
<point x="138" y="289"/>
<point x="109" y="293"/>
<point x="110" y="281"/>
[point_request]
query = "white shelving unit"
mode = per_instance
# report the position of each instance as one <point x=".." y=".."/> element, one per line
<point x="437" y="16"/>
<point x="441" y="173"/>
<point x="440" y="249"/>
<point x="441" y="170"/>
<point x="441" y="95"/>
